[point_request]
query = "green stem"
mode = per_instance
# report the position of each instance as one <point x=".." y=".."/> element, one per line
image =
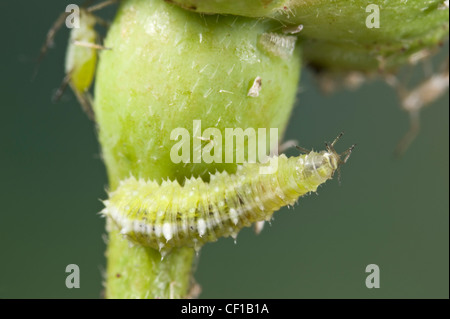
<point x="138" y="272"/>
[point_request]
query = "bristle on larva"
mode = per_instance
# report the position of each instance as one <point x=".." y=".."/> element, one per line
<point x="170" y="215"/>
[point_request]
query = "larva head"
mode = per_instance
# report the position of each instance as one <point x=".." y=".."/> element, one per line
<point x="333" y="159"/>
<point x="315" y="168"/>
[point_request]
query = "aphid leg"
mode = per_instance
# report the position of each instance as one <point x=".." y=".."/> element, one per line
<point x="101" y="5"/>
<point x="85" y="99"/>
<point x="413" y="101"/>
<point x="302" y="149"/>
<point x="62" y="87"/>
<point x="90" y="45"/>
<point x="343" y="157"/>
<point x="347" y="154"/>
<point x="98" y="7"/>
<point x="330" y="148"/>
<point x="411" y="134"/>
<point x="87" y="3"/>
<point x="49" y="39"/>
<point x="337" y="138"/>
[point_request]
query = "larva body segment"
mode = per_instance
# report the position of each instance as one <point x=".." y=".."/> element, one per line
<point x="170" y="215"/>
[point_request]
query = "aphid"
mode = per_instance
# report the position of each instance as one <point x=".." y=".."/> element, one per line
<point x="81" y="56"/>
<point x="415" y="100"/>
<point x="170" y="215"/>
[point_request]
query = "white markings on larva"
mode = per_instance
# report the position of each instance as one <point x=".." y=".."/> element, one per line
<point x="201" y="227"/>
<point x="167" y="231"/>
<point x="234" y="216"/>
<point x="278" y="45"/>
<point x="258" y="227"/>
<point x="256" y="87"/>
<point x="170" y="215"/>
<point x="157" y="229"/>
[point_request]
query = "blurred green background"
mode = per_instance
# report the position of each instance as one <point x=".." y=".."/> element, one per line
<point x="390" y="212"/>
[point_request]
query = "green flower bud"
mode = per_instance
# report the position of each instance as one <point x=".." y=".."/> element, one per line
<point x="168" y="67"/>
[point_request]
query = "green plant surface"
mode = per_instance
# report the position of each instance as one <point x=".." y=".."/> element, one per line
<point x="335" y="36"/>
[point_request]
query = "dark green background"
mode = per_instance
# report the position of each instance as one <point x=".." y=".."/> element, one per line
<point x="391" y="212"/>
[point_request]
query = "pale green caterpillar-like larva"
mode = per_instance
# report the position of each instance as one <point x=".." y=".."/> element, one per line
<point x="170" y="215"/>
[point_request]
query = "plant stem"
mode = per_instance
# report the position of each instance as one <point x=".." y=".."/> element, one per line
<point x="139" y="272"/>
